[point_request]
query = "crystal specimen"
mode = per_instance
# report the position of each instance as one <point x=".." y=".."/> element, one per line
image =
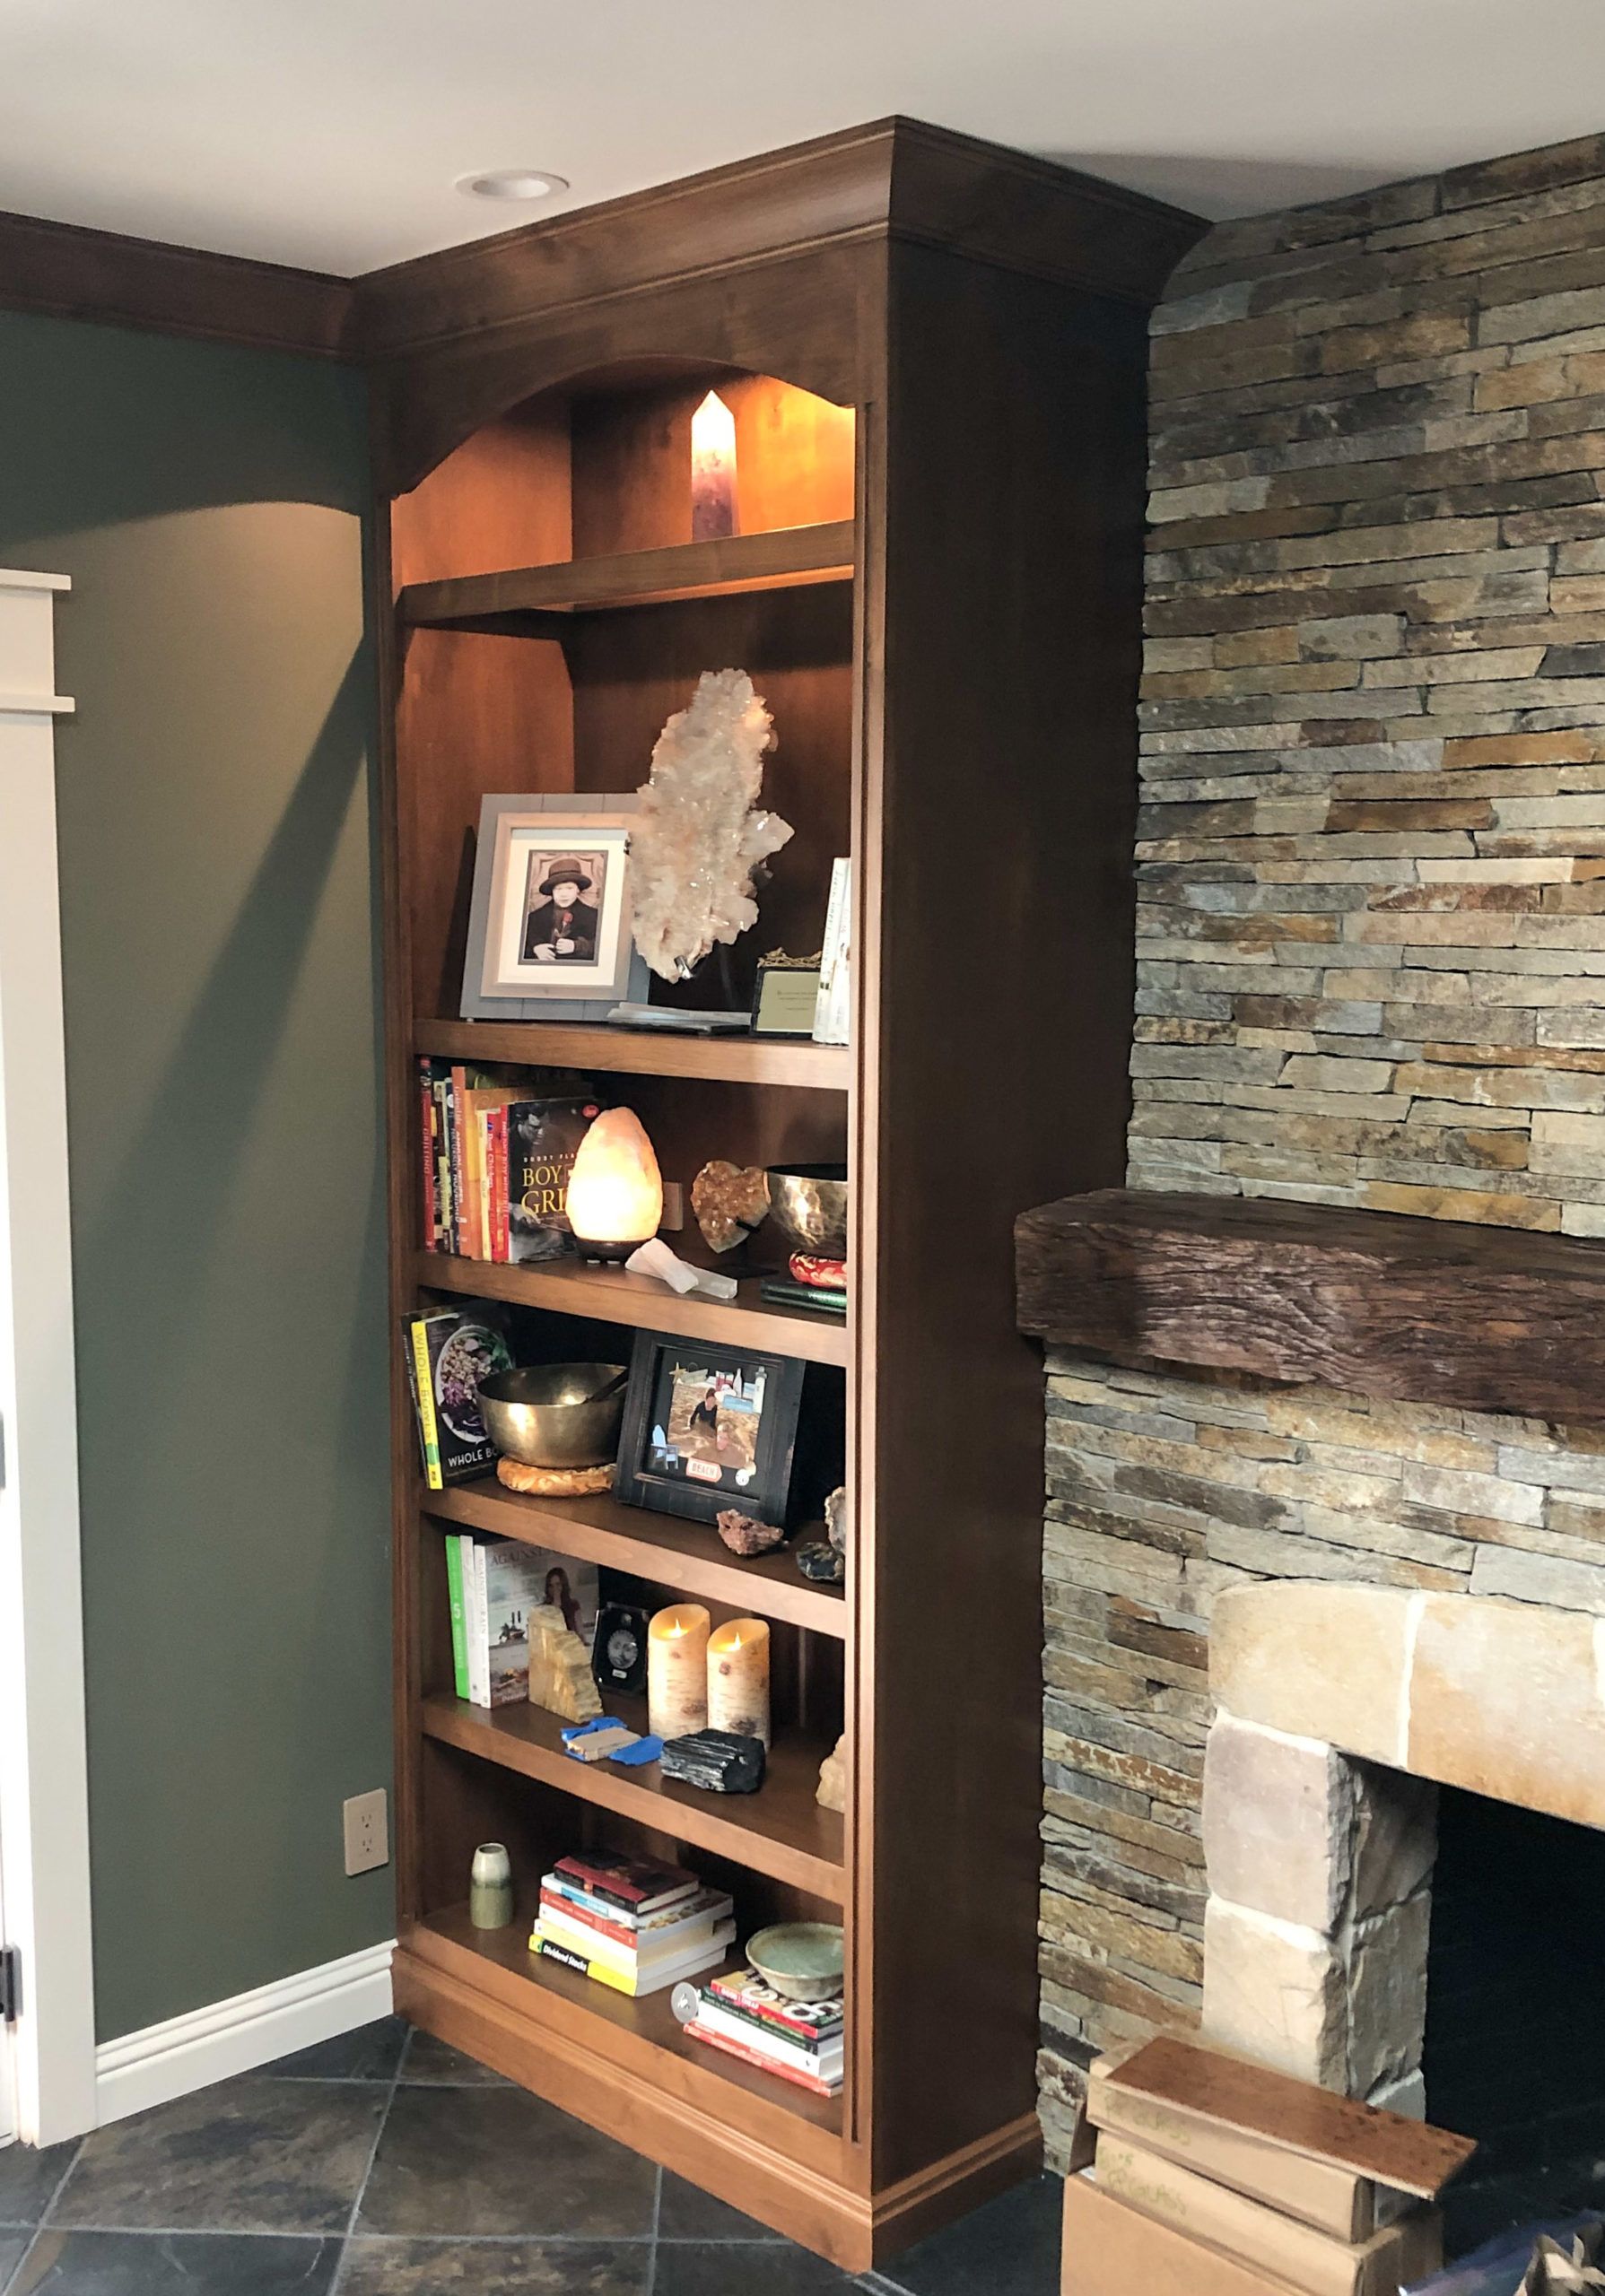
<point x="700" y="831"/>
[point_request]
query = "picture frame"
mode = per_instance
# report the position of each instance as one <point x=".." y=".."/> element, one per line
<point x="708" y="1427"/>
<point x="785" y="997"/>
<point x="543" y="945"/>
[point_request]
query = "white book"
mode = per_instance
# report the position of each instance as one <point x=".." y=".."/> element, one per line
<point x="833" y="1008"/>
<point x="503" y="1580"/>
<point x="826" y="2063"/>
<point x="474" y="1622"/>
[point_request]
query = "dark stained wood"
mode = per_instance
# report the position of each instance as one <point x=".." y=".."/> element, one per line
<point x="1408" y="2154"/>
<point x="1373" y="1302"/>
<point x="780" y="1831"/>
<point x="611" y="1295"/>
<point x="792" y="1061"/>
<point x="66" y="271"/>
<point x="688" y="569"/>
<point x="1004" y="794"/>
<point x="687" y="1556"/>
<point x="501" y="499"/>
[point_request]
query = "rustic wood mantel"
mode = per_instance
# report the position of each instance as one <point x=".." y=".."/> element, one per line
<point x="1371" y="1303"/>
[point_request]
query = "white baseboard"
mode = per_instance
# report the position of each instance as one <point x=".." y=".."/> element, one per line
<point x="205" y="2045"/>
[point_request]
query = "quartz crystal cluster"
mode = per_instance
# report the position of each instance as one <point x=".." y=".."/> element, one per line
<point x="701" y="832"/>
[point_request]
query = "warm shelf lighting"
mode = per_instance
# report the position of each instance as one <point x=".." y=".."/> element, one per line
<point x="615" y="1193"/>
<point x="712" y="471"/>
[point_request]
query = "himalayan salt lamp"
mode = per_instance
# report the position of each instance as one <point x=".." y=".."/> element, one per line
<point x="712" y="471"/>
<point x="738" y="1679"/>
<point x="616" y="1194"/>
<point x="677" y="1671"/>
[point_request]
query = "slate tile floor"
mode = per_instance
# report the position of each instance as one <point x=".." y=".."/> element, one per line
<point x="385" y="2165"/>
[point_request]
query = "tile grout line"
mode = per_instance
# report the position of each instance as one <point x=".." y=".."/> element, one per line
<point x="338" y="2274"/>
<point x="651" y="2286"/>
<point x="15" y="2273"/>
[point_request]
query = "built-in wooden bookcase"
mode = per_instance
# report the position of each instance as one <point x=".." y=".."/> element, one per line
<point x="934" y="355"/>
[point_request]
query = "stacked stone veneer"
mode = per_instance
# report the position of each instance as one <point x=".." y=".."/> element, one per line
<point x="1372" y="966"/>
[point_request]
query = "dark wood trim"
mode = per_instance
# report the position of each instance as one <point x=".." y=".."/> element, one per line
<point x="1374" y="1303"/>
<point x="780" y="558"/>
<point x="67" y="271"/>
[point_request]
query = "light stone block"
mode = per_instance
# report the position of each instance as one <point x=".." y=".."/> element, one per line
<point x="1275" y="1992"/>
<point x="1506" y="1700"/>
<point x="1315" y="1659"/>
<point x="1278" y="1823"/>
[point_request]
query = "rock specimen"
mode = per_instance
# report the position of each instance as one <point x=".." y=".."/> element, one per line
<point x="819" y="1561"/>
<point x="836" y="1517"/>
<point x="730" y="1201"/>
<point x="700" y="832"/>
<point x="560" y="1667"/>
<point x="832" y="1777"/>
<point x="743" y="1534"/>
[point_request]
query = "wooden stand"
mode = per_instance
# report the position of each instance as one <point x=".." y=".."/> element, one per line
<point x="935" y="354"/>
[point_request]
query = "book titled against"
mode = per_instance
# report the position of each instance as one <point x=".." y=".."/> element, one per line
<point x="833" y="1008"/>
<point x="1263" y="2237"/>
<point x="502" y="1580"/>
<point x="1334" y="2200"/>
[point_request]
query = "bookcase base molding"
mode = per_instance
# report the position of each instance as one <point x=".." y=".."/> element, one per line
<point x="802" y="2192"/>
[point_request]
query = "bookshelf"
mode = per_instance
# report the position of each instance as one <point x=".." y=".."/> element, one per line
<point x="936" y="587"/>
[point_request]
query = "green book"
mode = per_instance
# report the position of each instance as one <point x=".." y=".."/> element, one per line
<point x="460" y="1630"/>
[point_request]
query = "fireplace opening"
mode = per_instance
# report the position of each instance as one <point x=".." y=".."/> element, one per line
<point x="1515" y="2013"/>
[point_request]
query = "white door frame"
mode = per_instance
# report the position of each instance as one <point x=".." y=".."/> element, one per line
<point x="44" y="1805"/>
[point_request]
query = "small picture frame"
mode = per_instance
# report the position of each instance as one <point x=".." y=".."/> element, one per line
<point x="549" y="923"/>
<point x="707" y="1427"/>
<point x="786" y="996"/>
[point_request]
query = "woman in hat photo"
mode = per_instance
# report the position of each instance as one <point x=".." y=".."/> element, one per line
<point x="562" y="929"/>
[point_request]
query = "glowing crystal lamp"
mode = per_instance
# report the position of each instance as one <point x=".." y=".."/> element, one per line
<point x="712" y="471"/>
<point x="616" y="1194"/>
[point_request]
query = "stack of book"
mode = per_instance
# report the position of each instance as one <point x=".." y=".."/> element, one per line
<point x="496" y="1162"/>
<point x="1214" y="2177"/>
<point x="631" y="1924"/>
<point x="801" y="2041"/>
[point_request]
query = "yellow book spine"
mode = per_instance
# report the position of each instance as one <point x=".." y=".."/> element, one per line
<point x="425" y="1378"/>
<point x="598" y="1970"/>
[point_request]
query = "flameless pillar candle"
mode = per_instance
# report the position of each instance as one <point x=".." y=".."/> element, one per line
<point x="738" y="1679"/>
<point x="677" y="1671"/>
<point x="712" y="471"/>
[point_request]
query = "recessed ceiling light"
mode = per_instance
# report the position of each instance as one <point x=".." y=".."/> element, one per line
<point x="512" y="183"/>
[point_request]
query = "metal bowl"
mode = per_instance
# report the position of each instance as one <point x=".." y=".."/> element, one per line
<point x="547" y="1415"/>
<point x="808" y="1205"/>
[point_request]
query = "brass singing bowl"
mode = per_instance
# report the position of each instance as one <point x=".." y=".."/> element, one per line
<point x="808" y="1205"/>
<point x="555" y="1414"/>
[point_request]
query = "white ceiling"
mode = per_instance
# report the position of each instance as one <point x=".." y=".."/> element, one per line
<point x="330" y="132"/>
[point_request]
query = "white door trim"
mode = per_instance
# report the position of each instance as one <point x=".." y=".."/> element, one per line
<point x="44" y="1805"/>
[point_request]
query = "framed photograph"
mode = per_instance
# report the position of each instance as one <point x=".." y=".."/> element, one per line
<point x="786" y="996"/>
<point x="708" y="1427"/>
<point x="549" y="933"/>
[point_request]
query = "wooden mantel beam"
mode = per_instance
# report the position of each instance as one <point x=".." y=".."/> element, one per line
<point x="1371" y="1303"/>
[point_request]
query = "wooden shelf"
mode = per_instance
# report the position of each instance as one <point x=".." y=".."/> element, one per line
<point x="639" y="1052"/>
<point x="611" y="1296"/>
<point x="687" y="1556"/>
<point x="1373" y="1302"/>
<point x="613" y="2025"/>
<point x="780" y="1831"/>
<point x="783" y="558"/>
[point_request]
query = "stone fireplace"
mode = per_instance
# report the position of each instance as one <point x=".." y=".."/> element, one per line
<point x="1339" y="1710"/>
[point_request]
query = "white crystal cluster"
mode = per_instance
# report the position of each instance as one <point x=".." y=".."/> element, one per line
<point x="700" y="832"/>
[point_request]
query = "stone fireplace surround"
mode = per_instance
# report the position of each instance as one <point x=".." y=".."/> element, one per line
<point x="1338" y="1710"/>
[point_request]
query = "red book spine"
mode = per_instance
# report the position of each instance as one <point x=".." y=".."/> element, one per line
<point x="496" y="1128"/>
<point x="730" y="1997"/>
<point x="756" y="2057"/>
<point x="463" y="1241"/>
<point x="572" y="1912"/>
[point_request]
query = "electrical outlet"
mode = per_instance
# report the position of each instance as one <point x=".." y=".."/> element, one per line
<point x="367" y="1831"/>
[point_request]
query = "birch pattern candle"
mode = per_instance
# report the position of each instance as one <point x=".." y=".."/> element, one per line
<point x="738" y="1679"/>
<point x="677" y="1671"/>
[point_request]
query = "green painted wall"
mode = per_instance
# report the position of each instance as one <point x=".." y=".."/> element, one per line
<point x="218" y="921"/>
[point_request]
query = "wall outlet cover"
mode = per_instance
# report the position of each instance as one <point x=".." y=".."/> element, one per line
<point x="367" y="1831"/>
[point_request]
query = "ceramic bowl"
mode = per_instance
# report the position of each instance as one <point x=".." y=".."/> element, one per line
<point x="808" y="1205"/>
<point x="803" y="1959"/>
<point x="549" y="1415"/>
